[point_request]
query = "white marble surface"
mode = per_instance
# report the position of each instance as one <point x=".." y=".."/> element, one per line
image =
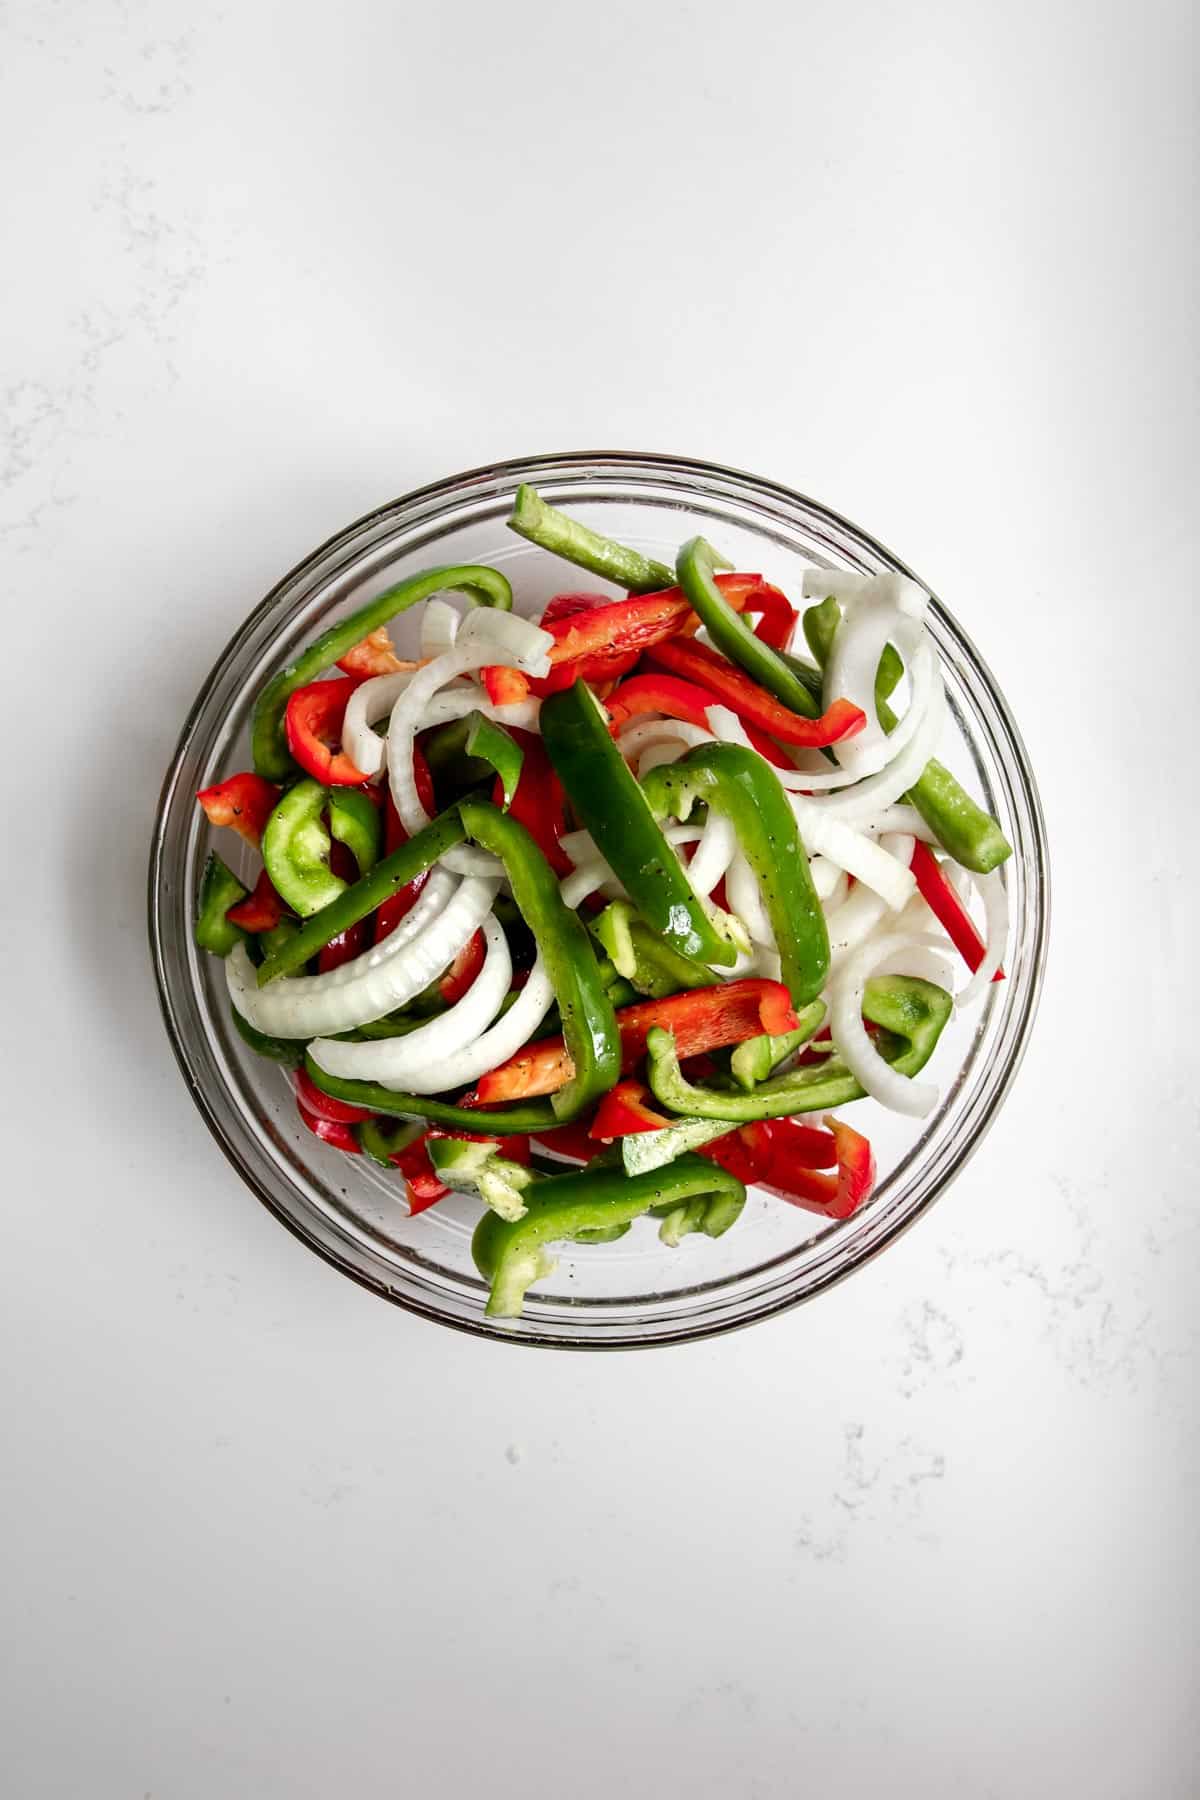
<point x="266" y="266"/>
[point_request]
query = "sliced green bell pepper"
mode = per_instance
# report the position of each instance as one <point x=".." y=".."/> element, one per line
<point x="382" y="1142"/>
<point x="599" y="1198"/>
<point x="738" y="782"/>
<point x="646" y="961"/>
<point x="589" y="1025"/>
<point x="473" y="1168"/>
<point x="911" y="1013"/>
<point x="289" y="1051"/>
<point x="295" y="849"/>
<point x="608" y="800"/>
<point x="483" y="586"/>
<point x="528" y="1116"/>
<point x="219" y="890"/>
<point x="971" y="835"/>
<point x="552" y="530"/>
<point x="355" y="820"/>
<point x="730" y="633"/>
<point x="753" y="1059"/>
<point x="354" y="903"/>
<point x="488" y="742"/>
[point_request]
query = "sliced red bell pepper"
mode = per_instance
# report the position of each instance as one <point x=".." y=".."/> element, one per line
<point x="261" y="910"/>
<point x="424" y="1188"/>
<point x="623" y="1112"/>
<point x="460" y="976"/>
<point x="680" y="700"/>
<point x="539" y="803"/>
<point x="313" y="724"/>
<point x="331" y="1131"/>
<point x="505" y="686"/>
<point x="323" y="1106"/>
<point x="374" y="655"/>
<point x="943" y="903"/>
<point x="574" y="1141"/>
<point x="245" y="802"/>
<point x="350" y="943"/>
<point x="752" y="703"/>
<point x="781" y="1155"/>
<point x="702" y="1019"/>
<point x="404" y="899"/>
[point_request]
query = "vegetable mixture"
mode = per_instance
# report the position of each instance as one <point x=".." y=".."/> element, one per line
<point x="603" y="916"/>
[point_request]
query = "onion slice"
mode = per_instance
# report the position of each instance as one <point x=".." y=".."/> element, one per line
<point x="308" y="1006"/>
<point x="416" y="1063"/>
<point x="440" y="621"/>
<point x="485" y="637"/>
<point x="995" y="902"/>
<point x="899" y="1093"/>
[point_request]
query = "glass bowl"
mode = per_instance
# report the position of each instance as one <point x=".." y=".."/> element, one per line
<point x="635" y="1292"/>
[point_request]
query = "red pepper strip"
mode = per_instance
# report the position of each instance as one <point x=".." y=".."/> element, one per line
<point x="261" y="910"/>
<point x="313" y="723"/>
<point x="780" y="1155"/>
<point x="323" y="1106"/>
<point x="424" y="1188"/>
<point x="539" y="803"/>
<point x="753" y="704"/>
<point x="837" y="1196"/>
<point x="623" y="1112"/>
<point x="460" y="976"/>
<point x="778" y="619"/>
<point x="331" y="1131"/>
<point x="244" y="802"/>
<point x="505" y="686"/>
<point x="680" y="700"/>
<point x="404" y="899"/>
<point x="353" y="941"/>
<point x="565" y="606"/>
<point x="573" y="1140"/>
<point x="942" y="902"/>
<point x="375" y="655"/>
<point x="701" y="1019"/>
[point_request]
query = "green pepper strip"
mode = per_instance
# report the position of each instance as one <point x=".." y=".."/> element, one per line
<point x="219" y="890"/>
<point x="381" y="1142"/>
<point x="737" y="782"/>
<point x="912" y="1013"/>
<point x="355" y="820"/>
<point x="971" y="835"/>
<point x="646" y="961"/>
<point x="490" y="743"/>
<point x="444" y="750"/>
<point x="599" y="1198"/>
<point x="730" y="632"/>
<point x="608" y="800"/>
<point x="534" y="1116"/>
<point x="753" y="1060"/>
<point x="370" y="891"/>
<point x="589" y="1025"/>
<point x="552" y="530"/>
<point x="289" y="1051"/>
<point x="295" y="849"/>
<point x="483" y="586"/>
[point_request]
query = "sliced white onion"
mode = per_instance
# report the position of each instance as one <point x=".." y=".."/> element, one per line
<point x="922" y="955"/>
<point x="654" y="731"/>
<point x="853" y="851"/>
<point x="861" y="639"/>
<point x="508" y="1035"/>
<point x="850" y="586"/>
<point x="745" y="899"/>
<point x="803" y="779"/>
<point x="384" y="977"/>
<point x="581" y="847"/>
<point x="439" y="627"/>
<point x="840" y="889"/>
<point x="900" y="1093"/>
<point x="371" y="701"/>
<point x="485" y="637"/>
<point x="590" y="878"/>
<point x="995" y="902"/>
<point x="415" y="1063"/>
<point x="714" y="853"/>
<point x="898" y="818"/>
<point x="852" y="923"/>
<point x="869" y="797"/>
<point x="825" y="877"/>
<point x="843" y="584"/>
<point x="507" y="638"/>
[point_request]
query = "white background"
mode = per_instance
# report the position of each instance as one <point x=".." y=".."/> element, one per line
<point x="267" y="265"/>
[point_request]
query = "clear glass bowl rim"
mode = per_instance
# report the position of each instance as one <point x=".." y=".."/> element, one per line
<point x="423" y="505"/>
